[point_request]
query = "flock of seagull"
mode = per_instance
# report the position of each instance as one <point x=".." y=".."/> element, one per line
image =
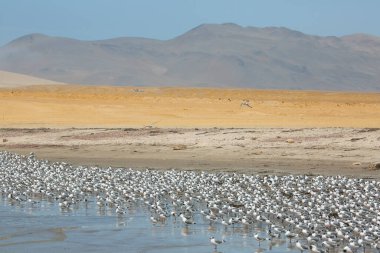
<point x="315" y="213"/>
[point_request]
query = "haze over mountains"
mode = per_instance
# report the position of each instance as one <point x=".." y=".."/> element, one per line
<point x="209" y="55"/>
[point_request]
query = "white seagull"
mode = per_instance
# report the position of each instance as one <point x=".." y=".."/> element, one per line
<point x="216" y="242"/>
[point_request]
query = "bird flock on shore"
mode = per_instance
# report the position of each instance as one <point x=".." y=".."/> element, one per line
<point x="315" y="213"/>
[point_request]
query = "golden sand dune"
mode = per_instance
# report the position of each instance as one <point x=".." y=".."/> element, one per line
<point x="10" y="79"/>
<point x="94" y="106"/>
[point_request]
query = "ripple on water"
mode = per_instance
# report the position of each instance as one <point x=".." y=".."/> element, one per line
<point x="46" y="206"/>
<point x="26" y="229"/>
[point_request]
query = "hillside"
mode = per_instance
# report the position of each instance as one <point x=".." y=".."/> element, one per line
<point x="224" y="55"/>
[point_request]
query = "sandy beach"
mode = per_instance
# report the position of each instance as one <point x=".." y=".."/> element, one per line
<point x="189" y="126"/>
<point x="234" y="130"/>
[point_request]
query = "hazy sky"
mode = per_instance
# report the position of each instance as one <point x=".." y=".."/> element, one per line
<point x="165" y="19"/>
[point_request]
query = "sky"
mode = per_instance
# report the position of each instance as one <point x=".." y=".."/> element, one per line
<point x="166" y="19"/>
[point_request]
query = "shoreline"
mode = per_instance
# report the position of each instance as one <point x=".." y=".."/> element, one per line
<point x="314" y="151"/>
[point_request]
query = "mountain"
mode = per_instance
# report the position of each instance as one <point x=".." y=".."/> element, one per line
<point x="9" y="79"/>
<point x="223" y="55"/>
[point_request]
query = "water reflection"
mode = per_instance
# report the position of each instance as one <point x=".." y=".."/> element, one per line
<point x="41" y="224"/>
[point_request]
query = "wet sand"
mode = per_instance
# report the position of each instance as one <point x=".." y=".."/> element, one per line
<point x="314" y="151"/>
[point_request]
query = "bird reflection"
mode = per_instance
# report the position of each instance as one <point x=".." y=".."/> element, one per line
<point x="259" y="250"/>
<point x="185" y="231"/>
<point x="299" y="212"/>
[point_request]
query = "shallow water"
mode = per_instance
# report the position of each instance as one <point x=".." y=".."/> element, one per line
<point x="42" y="227"/>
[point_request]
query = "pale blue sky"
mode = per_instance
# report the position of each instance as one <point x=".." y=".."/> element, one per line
<point x="165" y="19"/>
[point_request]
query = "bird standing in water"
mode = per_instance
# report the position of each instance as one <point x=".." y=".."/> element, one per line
<point x="301" y="247"/>
<point x="216" y="242"/>
<point x="259" y="239"/>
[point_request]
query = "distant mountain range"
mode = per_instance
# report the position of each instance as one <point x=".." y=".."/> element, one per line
<point x="225" y="55"/>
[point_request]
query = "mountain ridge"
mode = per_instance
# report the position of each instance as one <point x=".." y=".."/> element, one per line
<point x="222" y="55"/>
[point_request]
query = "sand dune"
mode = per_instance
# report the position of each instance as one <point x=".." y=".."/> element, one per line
<point x="89" y="106"/>
<point x="10" y="79"/>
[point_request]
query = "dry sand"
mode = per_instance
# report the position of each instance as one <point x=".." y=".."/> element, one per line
<point x="327" y="133"/>
<point x="89" y="106"/>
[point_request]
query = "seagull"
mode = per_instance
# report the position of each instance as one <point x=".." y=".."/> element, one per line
<point x="290" y="235"/>
<point x="259" y="239"/>
<point x="225" y="223"/>
<point x="216" y="242"/>
<point x="327" y="211"/>
<point x="314" y="249"/>
<point x="301" y="247"/>
<point x="187" y="220"/>
<point x="347" y="249"/>
<point x="153" y="220"/>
